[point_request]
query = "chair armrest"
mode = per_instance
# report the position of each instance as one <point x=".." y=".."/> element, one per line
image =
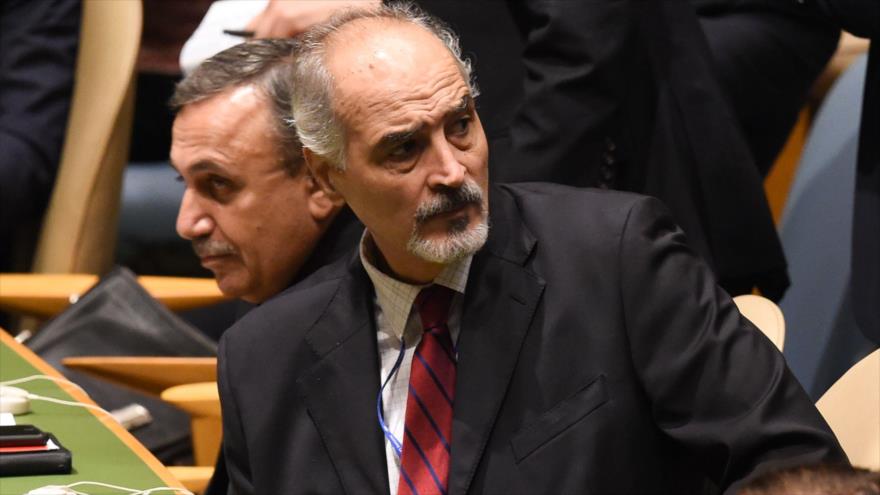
<point x="151" y="375"/>
<point x="45" y="295"/>
<point x="197" y="399"/>
<point x="765" y="315"/>
<point x="193" y="478"/>
<point x="202" y="402"/>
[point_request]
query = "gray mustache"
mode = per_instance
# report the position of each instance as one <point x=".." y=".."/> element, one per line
<point x="450" y="200"/>
<point x="210" y="247"/>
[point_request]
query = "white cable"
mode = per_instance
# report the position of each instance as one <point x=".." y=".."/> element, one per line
<point x="103" y="485"/>
<point x="184" y="491"/>
<point x="43" y="377"/>
<point x="68" y="403"/>
<point x="131" y="491"/>
<point x="62" y="381"/>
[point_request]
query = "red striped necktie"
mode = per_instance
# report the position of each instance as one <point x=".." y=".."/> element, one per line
<point x="424" y="464"/>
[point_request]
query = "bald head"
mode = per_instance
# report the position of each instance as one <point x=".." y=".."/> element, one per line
<point x="366" y="46"/>
<point x="376" y="64"/>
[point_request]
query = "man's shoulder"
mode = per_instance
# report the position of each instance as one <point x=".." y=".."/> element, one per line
<point x="290" y="313"/>
<point x="545" y="206"/>
<point x="550" y="193"/>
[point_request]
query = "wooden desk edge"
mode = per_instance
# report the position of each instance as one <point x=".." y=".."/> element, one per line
<point x="123" y="434"/>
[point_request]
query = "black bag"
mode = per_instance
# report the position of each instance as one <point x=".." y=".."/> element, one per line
<point x="117" y="317"/>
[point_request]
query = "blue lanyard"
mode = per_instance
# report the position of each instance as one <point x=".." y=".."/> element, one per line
<point x="395" y="443"/>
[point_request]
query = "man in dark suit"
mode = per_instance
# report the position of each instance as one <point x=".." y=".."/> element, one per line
<point x="254" y="215"/>
<point x="580" y="347"/>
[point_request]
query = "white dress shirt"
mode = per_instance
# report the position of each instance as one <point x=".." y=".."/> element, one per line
<point x="396" y="319"/>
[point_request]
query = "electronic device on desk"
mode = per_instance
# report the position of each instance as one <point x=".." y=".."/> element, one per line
<point x="14" y="400"/>
<point x="27" y="450"/>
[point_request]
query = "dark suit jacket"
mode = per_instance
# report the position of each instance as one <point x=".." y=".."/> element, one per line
<point x="38" y="43"/>
<point x="767" y="55"/>
<point x="596" y="355"/>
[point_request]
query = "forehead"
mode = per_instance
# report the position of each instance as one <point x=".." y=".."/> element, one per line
<point x="387" y="71"/>
<point x="226" y="127"/>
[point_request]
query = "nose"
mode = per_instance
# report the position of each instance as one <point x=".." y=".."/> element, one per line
<point x="449" y="171"/>
<point x="192" y="220"/>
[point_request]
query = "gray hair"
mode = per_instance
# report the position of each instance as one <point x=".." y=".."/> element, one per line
<point x="265" y="63"/>
<point x="318" y="127"/>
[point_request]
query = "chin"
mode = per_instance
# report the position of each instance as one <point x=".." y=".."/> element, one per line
<point x="233" y="288"/>
<point x="451" y="247"/>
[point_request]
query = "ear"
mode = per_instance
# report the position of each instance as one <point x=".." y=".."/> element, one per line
<point x="324" y="199"/>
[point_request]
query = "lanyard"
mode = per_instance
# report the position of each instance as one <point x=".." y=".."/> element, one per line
<point x="395" y="443"/>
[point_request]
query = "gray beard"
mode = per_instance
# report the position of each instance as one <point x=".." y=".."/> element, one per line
<point x="458" y="244"/>
<point x="460" y="241"/>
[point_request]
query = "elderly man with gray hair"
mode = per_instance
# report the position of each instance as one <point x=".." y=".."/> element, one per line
<point x="529" y="338"/>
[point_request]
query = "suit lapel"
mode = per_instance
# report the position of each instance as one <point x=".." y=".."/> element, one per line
<point x="340" y="390"/>
<point x="501" y="299"/>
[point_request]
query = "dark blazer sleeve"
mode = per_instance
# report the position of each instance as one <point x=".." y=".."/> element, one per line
<point x="38" y="42"/>
<point x="716" y="384"/>
<point x="575" y="56"/>
<point x="859" y="17"/>
<point x="235" y="450"/>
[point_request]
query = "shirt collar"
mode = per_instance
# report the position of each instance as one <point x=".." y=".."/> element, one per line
<point x="395" y="298"/>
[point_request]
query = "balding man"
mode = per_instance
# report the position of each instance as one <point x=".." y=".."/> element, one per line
<point x="551" y="340"/>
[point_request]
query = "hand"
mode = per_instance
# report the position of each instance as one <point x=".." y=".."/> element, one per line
<point x="288" y="18"/>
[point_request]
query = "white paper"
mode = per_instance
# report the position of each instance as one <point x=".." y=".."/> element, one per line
<point x="209" y="38"/>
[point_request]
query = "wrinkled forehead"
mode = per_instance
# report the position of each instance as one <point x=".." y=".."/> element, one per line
<point x="380" y="61"/>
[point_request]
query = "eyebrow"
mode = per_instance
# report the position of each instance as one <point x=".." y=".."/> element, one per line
<point x="394" y="138"/>
<point x="200" y="166"/>
<point x="462" y="106"/>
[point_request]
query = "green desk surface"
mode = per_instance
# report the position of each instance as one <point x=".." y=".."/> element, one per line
<point x="101" y="450"/>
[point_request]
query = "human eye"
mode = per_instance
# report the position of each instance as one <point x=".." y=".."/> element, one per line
<point x="459" y="131"/>
<point x="220" y="184"/>
<point x="403" y="152"/>
<point x="217" y="187"/>
<point x="461" y="126"/>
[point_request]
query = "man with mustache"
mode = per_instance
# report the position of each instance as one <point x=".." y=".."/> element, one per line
<point x="529" y="338"/>
<point x="254" y="215"/>
<point x="251" y="209"/>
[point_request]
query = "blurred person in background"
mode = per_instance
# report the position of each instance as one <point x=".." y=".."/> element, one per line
<point x="766" y="56"/>
<point x="38" y="47"/>
<point x="862" y="18"/>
